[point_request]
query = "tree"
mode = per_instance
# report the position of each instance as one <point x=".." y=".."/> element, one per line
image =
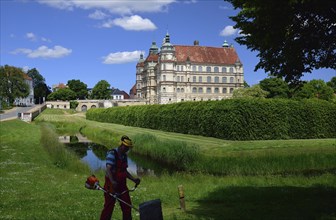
<point x="332" y="83"/>
<point x="292" y="37"/>
<point x="315" y="89"/>
<point x="64" y="94"/>
<point x="41" y="89"/>
<point x="276" y="87"/>
<point x="79" y="88"/>
<point x="250" y="92"/>
<point x="101" y="90"/>
<point x="12" y="84"/>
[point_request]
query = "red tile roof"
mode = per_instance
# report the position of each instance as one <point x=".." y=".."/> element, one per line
<point x="211" y="55"/>
<point x="152" y="57"/>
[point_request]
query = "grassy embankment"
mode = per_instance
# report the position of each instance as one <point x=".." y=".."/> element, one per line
<point x="35" y="186"/>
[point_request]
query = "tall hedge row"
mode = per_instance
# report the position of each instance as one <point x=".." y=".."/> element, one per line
<point x="233" y="119"/>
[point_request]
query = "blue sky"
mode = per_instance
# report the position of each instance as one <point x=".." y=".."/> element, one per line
<point x="102" y="39"/>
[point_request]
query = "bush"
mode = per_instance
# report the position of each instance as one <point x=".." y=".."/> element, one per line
<point x="233" y="119"/>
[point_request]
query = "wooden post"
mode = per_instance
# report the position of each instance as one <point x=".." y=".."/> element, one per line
<point x="181" y="196"/>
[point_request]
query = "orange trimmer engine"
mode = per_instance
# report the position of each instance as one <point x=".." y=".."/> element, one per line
<point x="92" y="182"/>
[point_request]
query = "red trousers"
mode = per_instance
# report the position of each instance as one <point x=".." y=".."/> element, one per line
<point x="107" y="211"/>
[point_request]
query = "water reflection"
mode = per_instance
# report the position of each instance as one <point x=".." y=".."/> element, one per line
<point x="94" y="155"/>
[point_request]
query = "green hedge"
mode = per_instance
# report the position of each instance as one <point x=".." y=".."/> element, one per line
<point x="233" y="119"/>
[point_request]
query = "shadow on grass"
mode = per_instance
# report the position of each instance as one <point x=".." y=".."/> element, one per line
<point x="268" y="203"/>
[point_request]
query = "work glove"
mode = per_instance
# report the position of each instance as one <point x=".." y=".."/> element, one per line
<point x="136" y="181"/>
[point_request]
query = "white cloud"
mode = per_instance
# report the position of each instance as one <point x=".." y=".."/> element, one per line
<point x="44" y="52"/>
<point x="98" y="15"/>
<point x="228" y="31"/>
<point x="122" y="57"/>
<point x="118" y="7"/>
<point x="135" y="23"/>
<point x="31" y="36"/>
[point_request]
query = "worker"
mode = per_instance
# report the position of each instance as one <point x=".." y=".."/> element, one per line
<point x="115" y="180"/>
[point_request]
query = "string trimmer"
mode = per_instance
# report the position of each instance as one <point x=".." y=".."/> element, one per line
<point x="93" y="183"/>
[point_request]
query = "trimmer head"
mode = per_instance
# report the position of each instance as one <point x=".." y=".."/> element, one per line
<point x="92" y="182"/>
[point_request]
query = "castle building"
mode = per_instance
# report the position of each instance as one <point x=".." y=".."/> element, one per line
<point x="179" y="73"/>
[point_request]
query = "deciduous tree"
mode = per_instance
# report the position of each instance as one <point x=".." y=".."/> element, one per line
<point x="101" y="90"/>
<point x="79" y="88"/>
<point x="12" y="84"/>
<point x="292" y="37"/>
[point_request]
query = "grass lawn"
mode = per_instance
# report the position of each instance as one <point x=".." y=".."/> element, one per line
<point x="35" y="187"/>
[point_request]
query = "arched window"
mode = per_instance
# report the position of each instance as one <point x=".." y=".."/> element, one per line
<point x="224" y="69"/>
<point x="182" y="89"/>
<point x="231" y="90"/>
<point x="194" y="78"/>
<point x="164" y="77"/>
<point x="200" y="90"/>
<point x="224" y="80"/>
<point x="216" y="69"/>
<point x="194" y="90"/>
<point x="231" y="69"/>
<point x="182" y="79"/>
<point x="224" y="90"/>
<point x="216" y="90"/>
<point x="209" y="79"/>
<point x="178" y="90"/>
<point x="194" y="68"/>
<point x="208" y="69"/>
<point x="231" y="80"/>
<point x="178" y="78"/>
<point x="200" y="69"/>
<point x="216" y="79"/>
<point x="200" y="79"/>
<point x="208" y="90"/>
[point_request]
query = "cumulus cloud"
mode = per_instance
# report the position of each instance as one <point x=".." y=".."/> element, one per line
<point x="118" y="7"/>
<point x="31" y="36"/>
<point x="98" y="15"/>
<point x="44" y="52"/>
<point x="228" y="31"/>
<point x="134" y="23"/>
<point x="122" y="57"/>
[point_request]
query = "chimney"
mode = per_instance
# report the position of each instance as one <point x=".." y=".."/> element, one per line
<point x="196" y="43"/>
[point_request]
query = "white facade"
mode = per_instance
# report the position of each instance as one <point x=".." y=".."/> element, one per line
<point x="188" y="73"/>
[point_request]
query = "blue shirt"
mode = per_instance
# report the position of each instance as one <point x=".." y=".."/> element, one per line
<point x="111" y="159"/>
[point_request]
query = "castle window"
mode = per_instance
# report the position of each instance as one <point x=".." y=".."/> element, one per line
<point x="224" y="90"/>
<point x="200" y="90"/>
<point x="163" y="77"/>
<point x="178" y="68"/>
<point x="231" y="69"/>
<point x="216" y="90"/>
<point x="178" y="90"/>
<point x="200" y="79"/>
<point x="182" y="89"/>
<point x="216" y="69"/>
<point x="231" y="90"/>
<point x="194" y="78"/>
<point x="181" y="68"/>
<point x="209" y="79"/>
<point x="216" y="79"/>
<point x="208" y="90"/>
<point x="231" y="80"/>
<point x="223" y="79"/>
<point x="224" y="69"/>
<point x="200" y="69"/>
<point x="194" y="68"/>
<point x="182" y="79"/>
<point x="194" y="90"/>
<point x="178" y="78"/>
<point x="208" y="69"/>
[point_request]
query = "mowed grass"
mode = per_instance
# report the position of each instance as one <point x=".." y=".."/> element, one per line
<point x="35" y="187"/>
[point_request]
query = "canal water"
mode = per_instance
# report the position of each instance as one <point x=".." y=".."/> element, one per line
<point x="94" y="155"/>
